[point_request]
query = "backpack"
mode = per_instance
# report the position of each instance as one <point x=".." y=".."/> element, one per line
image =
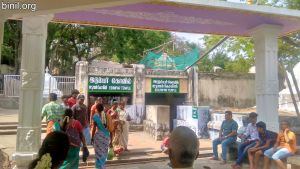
<point x="73" y="134"/>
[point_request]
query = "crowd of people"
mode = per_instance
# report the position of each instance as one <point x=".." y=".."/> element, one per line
<point x="256" y="142"/>
<point x="104" y="127"/>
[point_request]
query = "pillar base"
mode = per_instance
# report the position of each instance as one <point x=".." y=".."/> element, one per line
<point x="23" y="160"/>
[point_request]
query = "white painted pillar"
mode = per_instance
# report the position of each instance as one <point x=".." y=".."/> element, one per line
<point x="34" y="31"/>
<point x="81" y="79"/>
<point x="266" y="77"/>
<point x="2" y="20"/>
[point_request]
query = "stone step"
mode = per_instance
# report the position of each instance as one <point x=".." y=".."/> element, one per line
<point x="11" y="127"/>
<point x="137" y="159"/>
<point x="13" y="132"/>
<point x="16" y="123"/>
<point x="136" y="127"/>
<point x="9" y="102"/>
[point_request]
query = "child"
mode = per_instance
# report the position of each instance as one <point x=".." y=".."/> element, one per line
<point x="165" y="144"/>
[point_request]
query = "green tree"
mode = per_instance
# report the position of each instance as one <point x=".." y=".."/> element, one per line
<point x="11" y="54"/>
<point x="66" y="42"/>
<point x="234" y="51"/>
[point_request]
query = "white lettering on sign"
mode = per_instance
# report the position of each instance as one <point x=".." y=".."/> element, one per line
<point x="121" y="80"/>
<point x="99" y="80"/>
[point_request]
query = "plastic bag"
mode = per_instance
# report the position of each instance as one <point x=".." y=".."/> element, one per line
<point x="56" y="127"/>
<point x="110" y="154"/>
<point x="85" y="154"/>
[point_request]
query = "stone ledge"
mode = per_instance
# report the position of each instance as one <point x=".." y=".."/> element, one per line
<point x="295" y="160"/>
<point x="157" y="131"/>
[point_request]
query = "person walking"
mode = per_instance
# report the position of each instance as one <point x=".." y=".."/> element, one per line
<point x="73" y="99"/>
<point x="98" y="100"/>
<point x="113" y="113"/>
<point x="73" y="129"/>
<point x="124" y="120"/>
<point x="52" y="111"/>
<point x="65" y="103"/>
<point x="80" y="113"/>
<point x="100" y="136"/>
<point x="53" y="151"/>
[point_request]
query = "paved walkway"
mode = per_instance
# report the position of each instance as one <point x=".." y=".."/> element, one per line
<point x="139" y="143"/>
<point x="199" y="164"/>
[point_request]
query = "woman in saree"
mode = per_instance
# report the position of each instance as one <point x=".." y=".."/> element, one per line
<point x="73" y="129"/>
<point x="124" y="120"/>
<point x="100" y="136"/>
<point x="117" y="145"/>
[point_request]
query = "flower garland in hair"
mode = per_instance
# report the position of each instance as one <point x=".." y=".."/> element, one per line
<point x="44" y="162"/>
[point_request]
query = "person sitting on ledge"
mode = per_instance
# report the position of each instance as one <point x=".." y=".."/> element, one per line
<point x="183" y="149"/>
<point x="266" y="140"/>
<point x="227" y="136"/>
<point x="250" y="137"/>
<point x="285" y="146"/>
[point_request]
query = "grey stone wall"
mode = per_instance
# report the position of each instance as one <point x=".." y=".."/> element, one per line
<point x="227" y="90"/>
<point x="158" y="131"/>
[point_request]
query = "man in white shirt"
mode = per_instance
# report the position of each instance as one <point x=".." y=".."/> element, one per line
<point x="183" y="148"/>
<point x="250" y="137"/>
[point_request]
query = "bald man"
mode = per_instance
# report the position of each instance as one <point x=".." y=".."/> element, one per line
<point x="183" y="148"/>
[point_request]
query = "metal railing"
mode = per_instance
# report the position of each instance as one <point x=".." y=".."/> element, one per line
<point x="62" y="85"/>
<point x="12" y="85"/>
<point x="1" y="84"/>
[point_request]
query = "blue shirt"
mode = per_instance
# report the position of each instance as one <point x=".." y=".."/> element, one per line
<point x="268" y="135"/>
<point x="228" y="126"/>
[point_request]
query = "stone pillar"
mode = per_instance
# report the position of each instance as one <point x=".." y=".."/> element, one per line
<point x="1" y="36"/>
<point x="34" y="31"/>
<point x="193" y="87"/>
<point x="138" y="98"/>
<point x="196" y="86"/>
<point x="81" y="78"/>
<point x="266" y="77"/>
<point x="139" y="85"/>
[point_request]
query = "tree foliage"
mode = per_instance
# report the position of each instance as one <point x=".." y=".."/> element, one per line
<point x="11" y="48"/>
<point x="68" y="43"/>
<point x="234" y="55"/>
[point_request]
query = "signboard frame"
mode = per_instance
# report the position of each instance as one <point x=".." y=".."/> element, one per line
<point x="110" y="82"/>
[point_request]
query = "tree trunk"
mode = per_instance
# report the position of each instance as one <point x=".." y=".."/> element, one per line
<point x="291" y="91"/>
<point x="18" y="48"/>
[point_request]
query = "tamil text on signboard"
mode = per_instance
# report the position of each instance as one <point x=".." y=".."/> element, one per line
<point x="163" y="85"/>
<point x="110" y="84"/>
